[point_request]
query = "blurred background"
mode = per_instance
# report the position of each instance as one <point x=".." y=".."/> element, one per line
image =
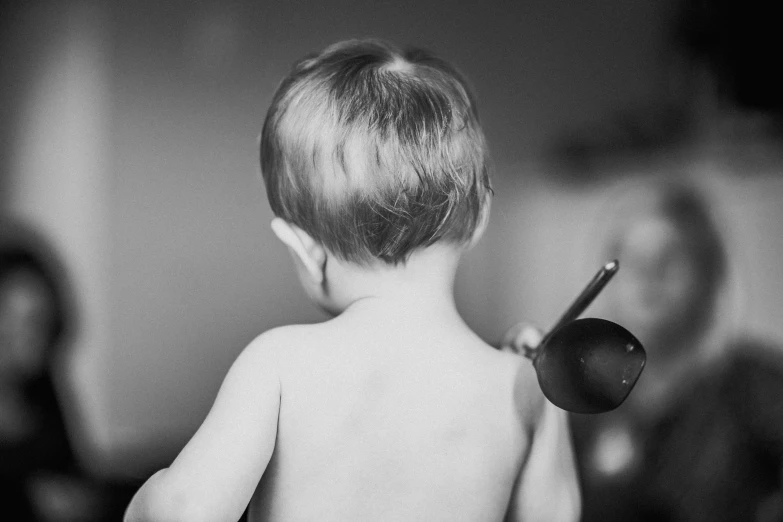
<point x="129" y="143"/>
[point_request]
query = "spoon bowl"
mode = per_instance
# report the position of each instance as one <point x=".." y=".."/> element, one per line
<point x="589" y="365"/>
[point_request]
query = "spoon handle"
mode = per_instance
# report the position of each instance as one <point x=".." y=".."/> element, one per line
<point x="584" y="299"/>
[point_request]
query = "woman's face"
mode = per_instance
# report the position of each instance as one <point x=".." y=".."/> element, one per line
<point x="26" y="318"/>
<point x="658" y="289"/>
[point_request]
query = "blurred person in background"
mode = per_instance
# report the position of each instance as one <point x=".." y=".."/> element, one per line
<point x="40" y="478"/>
<point x="700" y="438"/>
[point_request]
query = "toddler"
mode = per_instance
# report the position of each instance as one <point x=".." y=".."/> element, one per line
<point x="375" y="166"/>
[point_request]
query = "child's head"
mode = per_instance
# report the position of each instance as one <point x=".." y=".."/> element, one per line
<point x="375" y="152"/>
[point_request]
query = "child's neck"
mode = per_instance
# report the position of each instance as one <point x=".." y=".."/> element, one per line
<point x="424" y="282"/>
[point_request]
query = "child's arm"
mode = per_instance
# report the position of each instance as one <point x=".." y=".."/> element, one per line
<point x="215" y="475"/>
<point x="547" y="488"/>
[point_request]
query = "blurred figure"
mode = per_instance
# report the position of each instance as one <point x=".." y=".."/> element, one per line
<point x="40" y="479"/>
<point x="701" y="436"/>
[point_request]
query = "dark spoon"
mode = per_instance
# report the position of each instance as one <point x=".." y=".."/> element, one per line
<point x="588" y="365"/>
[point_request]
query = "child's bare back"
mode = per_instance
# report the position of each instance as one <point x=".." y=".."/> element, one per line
<point x="390" y="416"/>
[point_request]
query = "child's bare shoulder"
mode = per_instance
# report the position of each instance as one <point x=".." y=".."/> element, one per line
<point x="279" y="341"/>
<point x="279" y="346"/>
<point x="529" y="400"/>
<point x="262" y="356"/>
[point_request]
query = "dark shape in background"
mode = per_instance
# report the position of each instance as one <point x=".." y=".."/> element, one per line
<point x="721" y="57"/>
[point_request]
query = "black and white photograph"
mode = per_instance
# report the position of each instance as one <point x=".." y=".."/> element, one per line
<point x="392" y="260"/>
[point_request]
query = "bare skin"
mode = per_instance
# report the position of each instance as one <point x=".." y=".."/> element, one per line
<point x="393" y="410"/>
<point x="393" y="425"/>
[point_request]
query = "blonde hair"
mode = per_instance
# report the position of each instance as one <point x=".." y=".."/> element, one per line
<point x="375" y="151"/>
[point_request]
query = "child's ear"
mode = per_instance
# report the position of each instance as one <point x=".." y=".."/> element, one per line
<point x="303" y="247"/>
<point x="481" y="226"/>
